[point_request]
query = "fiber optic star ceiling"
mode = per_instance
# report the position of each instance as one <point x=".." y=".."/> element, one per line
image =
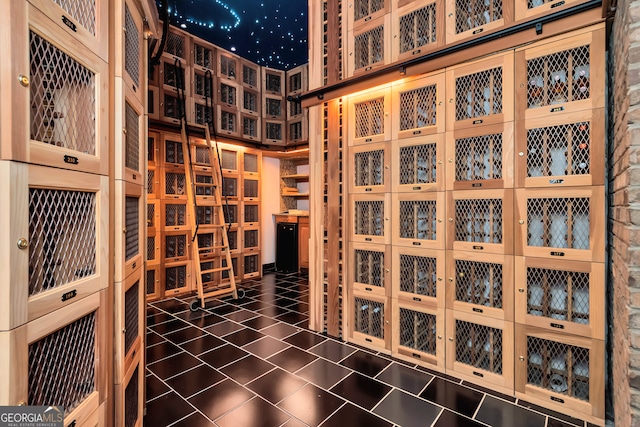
<point x="271" y="33"/>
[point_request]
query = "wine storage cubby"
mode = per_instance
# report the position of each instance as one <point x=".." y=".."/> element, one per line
<point x="480" y="349"/>
<point x="371" y="269"/>
<point x="419" y="220"/>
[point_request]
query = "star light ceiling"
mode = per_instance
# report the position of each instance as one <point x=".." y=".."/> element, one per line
<point x="271" y="33"/>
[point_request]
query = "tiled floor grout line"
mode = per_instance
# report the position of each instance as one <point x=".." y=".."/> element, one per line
<point x="264" y="306"/>
<point x="475" y="413"/>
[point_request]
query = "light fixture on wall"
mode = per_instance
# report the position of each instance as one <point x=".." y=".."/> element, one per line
<point x="403" y="70"/>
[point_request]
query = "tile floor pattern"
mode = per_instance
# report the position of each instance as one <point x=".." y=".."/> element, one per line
<point x="253" y="363"/>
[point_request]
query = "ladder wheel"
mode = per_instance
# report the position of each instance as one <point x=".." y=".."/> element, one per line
<point x="240" y="292"/>
<point x="195" y="304"/>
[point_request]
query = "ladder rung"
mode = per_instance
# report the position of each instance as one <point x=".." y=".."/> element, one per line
<point x="209" y="248"/>
<point x="215" y="270"/>
<point x="201" y="164"/>
<point x="205" y="184"/>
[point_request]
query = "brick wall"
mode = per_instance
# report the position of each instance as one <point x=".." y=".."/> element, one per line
<point x="625" y="212"/>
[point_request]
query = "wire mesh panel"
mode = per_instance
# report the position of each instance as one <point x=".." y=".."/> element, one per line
<point x="251" y="264"/>
<point x="295" y="82"/>
<point x="273" y="131"/>
<point x="206" y="241"/>
<point x="175" y="183"/>
<point x="203" y="56"/>
<point x="84" y="12"/>
<point x="201" y="85"/>
<point x="232" y="237"/>
<point x="251" y="239"/>
<point x="202" y="115"/>
<point x="478" y="157"/>
<point x="479" y="283"/>
<point x="131" y="316"/>
<point x="369" y="168"/>
<point x="478" y="94"/>
<point x="173" y="152"/>
<point x="251" y="213"/>
<point x="559" y="294"/>
<point x="478" y="220"/>
<point x="418" y="331"/>
<point x="175" y="247"/>
<point x="176" y="45"/>
<point x="234" y="266"/>
<point x="250" y="101"/>
<point x="558" y="367"/>
<point x="273" y="82"/>
<point x="228" y="66"/>
<point x="230" y="186"/>
<point x="62" y="365"/>
<point x="250" y="126"/>
<point x="228" y="121"/>
<point x="295" y="108"/>
<point x="369" y="218"/>
<point x="62" y="238"/>
<point x="418" y="164"/>
<point x="369" y="267"/>
<point x="203" y="183"/>
<point x="151" y="248"/>
<point x="471" y="14"/>
<point x="131" y="46"/>
<point x="205" y="215"/>
<point x="478" y="346"/>
<point x="418" y="28"/>
<point x="132" y="224"/>
<point x="131" y="400"/>
<point x="151" y="281"/>
<point x="560" y="150"/>
<point x="151" y="215"/>
<point x="418" y="108"/>
<point x="559" y="222"/>
<point x="229" y="159"/>
<point x="368" y="48"/>
<point x="201" y="155"/>
<point x="295" y="131"/>
<point x="228" y="94"/>
<point x="172" y="108"/>
<point x="250" y="163"/>
<point x="364" y="8"/>
<point x="151" y="180"/>
<point x="249" y="75"/>
<point x="251" y="188"/>
<point x="230" y="213"/>
<point x="369" y="118"/>
<point x="369" y="317"/>
<point x="273" y="107"/>
<point x="62" y="98"/>
<point x="173" y="76"/>
<point x="175" y="215"/>
<point x="176" y="277"/>
<point x="417" y="219"/>
<point x="418" y="275"/>
<point x="132" y="142"/>
<point x="559" y="77"/>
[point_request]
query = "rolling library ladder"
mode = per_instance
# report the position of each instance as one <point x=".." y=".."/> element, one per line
<point x="212" y="266"/>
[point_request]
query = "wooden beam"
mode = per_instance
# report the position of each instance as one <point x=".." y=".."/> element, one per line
<point x="333" y="41"/>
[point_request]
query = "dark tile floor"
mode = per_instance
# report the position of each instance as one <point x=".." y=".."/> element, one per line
<point x="253" y="363"/>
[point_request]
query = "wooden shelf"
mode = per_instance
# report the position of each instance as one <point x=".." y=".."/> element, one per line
<point x="297" y="177"/>
<point x="296" y="195"/>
